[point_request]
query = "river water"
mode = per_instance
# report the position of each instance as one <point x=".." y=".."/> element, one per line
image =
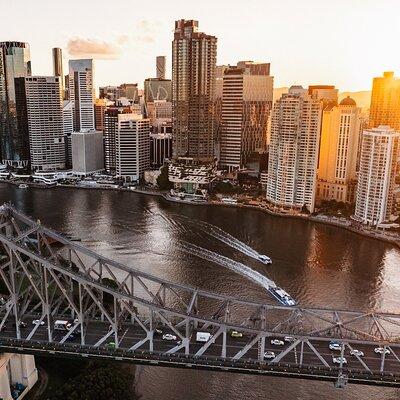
<point x="318" y="265"/>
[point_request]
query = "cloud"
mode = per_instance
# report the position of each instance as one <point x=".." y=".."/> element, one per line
<point x="146" y="31"/>
<point x="80" y="47"/>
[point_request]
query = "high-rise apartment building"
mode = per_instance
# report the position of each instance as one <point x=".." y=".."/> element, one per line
<point x="246" y="105"/>
<point x="15" y="62"/>
<point x="193" y="81"/>
<point x="110" y="135"/>
<point x="40" y="107"/>
<point x="293" y="150"/>
<point x="161" y="66"/>
<point x="340" y="134"/>
<point x="132" y="147"/>
<point x="82" y="93"/>
<point x="376" y="178"/>
<point x="385" y="102"/>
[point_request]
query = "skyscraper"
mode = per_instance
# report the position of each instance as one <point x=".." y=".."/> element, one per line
<point x="40" y="99"/>
<point x="193" y="81"/>
<point x="293" y="150"/>
<point x="385" y="102"/>
<point x="15" y="62"/>
<point x="340" y="134"/>
<point x="132" y="147"/>
<point x="376" y="178"/>
<point x="82" y="93"/>
<point x="246" y="105"/>
<point x="110" y="135"/>
<point x="161" y="63"/>
<point x="57" y="62"/>
<point x="328" y="94"/>
<point x="58" y="66"/>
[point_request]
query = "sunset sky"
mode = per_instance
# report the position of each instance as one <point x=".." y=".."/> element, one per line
<point x="341" y="42"/>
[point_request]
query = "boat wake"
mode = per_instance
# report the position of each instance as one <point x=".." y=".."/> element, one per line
<point x="226" y="262"/>
<point x="230" y="240"/>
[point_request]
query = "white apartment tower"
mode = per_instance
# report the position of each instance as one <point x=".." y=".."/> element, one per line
<point x="376" y="178"/>
<point x="340" y="135"/>
<point x="82" y="93"/>
<point x="132" y="146"/>
<point x="45" y="122"/>
<point x="246" y="105"/>
<point x="293" y="151"/>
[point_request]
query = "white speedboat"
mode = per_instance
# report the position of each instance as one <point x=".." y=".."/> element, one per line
<point x="23" y="186"/>
<point x="264" y="259"/>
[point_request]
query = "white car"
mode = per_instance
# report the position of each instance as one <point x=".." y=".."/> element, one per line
<point x="357" y="353"/>
<point x="37" y="322"/>
<point x="269" y="355"/>
<point x="339" y="360"/>
<point x="289" y="339"/>
<point x="168" y="336"/>
<point x="380" y="350"/>
<point x="335" y="346"/>
<point x="277" y="342"/>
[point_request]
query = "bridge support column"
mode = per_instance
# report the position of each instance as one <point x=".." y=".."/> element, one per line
<point x="5" y="392"/>
<point x="23" y="369"/>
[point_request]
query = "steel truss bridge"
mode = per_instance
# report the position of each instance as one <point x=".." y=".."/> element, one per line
<point x="120" y="313"/>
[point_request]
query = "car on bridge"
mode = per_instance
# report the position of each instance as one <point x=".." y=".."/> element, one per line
<point x="289" y="339"/>
<point x="339" y="360"/>
<point x="336" y="346"/>
<point x="277" y="342"/>
<point x="381" y="350"/>
<point x="169" y="337"/>
<point x="37" y="322"/>
<point x="236" y="334"/>
<point x="357" y="353"/>
<point x="269" y="355"/>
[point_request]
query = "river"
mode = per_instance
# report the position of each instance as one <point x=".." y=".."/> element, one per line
<point x="318" y="265"/>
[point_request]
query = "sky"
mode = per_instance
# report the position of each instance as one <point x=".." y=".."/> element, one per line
<point x="340" y="42"/>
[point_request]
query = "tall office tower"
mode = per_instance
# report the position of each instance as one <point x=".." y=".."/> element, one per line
<point x="68" y="128"/>
<point x="217" y="107"/>
<point x="385" y="102"/>
<point x="132" y="147"/>
<point x="246" y="106"/>
<point x="328" y="94"/>
<point x="293" y="151"/>
<point x="39" y="98"/>
<point x="57" y="62"/>
<point x="157" y="89"/>
<point x="87" y="152"/>
<point x="193" y="81"/>
<point x="81" y="92"/>
<point x="160" y="148"/>
<point x="100" y="107"/>
<point x="129" y="91"/>
<point x="58" y="66"/>
<point x="15" y="62"/>
<point x="161" y="65"/>
<point x="376" y="177"/>
<point x="340" y="134"/>
<point x="110" y="135"/>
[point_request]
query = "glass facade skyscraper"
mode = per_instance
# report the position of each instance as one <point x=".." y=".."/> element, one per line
<point x="15" y="62"/>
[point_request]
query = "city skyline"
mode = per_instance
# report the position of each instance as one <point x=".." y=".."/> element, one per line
<point x="319" y="36"/>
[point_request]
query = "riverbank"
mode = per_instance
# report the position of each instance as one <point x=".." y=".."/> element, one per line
<point x="321" y="219"/>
